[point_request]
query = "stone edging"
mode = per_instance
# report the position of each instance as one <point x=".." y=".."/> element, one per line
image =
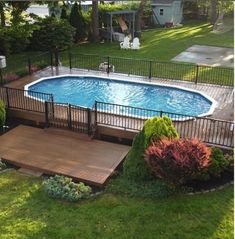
<point x="5" y="170"/>
<point x="210" y="190"/>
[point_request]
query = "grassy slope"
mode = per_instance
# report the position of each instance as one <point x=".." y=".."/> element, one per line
<point x="26" y="212"/>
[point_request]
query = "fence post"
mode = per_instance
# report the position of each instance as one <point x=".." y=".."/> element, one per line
<point x="88" y="121"/>
<point x="56" y="58"/>
<point x="29" y="66"/>
<point x="1" y="77"/>
<point x="95" y="113"/>
<point x="70" y="60"/>
<point x="51" y="58"/>
<point x="46" y="114"/>
<point x="69" y="117"/>
<point x="150" y="69"/>
<point x="197" y="71"/>
<point x="7" y="94"/>
<point x="161" y="113"/>
<point x="108" y="66"/>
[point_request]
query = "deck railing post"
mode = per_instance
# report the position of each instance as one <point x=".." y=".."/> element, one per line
<point x="69" y="117"/>
<point x="46" y="114"/>
<point x="197" y="72"/>
<point x="150" y="69"/>
<point x="29" y="66"/>
<point x="88" y="121"/>
<point x="96" y="113"/>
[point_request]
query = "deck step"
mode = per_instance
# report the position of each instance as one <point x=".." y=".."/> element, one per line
<point x="30" y="172"/>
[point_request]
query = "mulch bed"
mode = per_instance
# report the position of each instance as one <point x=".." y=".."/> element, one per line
<point x="213" y="183"/>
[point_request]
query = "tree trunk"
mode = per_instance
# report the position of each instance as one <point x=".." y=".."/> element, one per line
<point x="213" y="11"/>
<point x="95" y="22"/>
<point x="2" y="15"/>
<point x="139" y="15"/>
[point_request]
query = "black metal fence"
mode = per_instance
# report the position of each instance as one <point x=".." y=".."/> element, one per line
<point x="24" y="100"/>
<point x="154" y="69"/>
<point x="209" y="130"/>
<point x="85" y="120"/>
<point x="63" y="115"/>
<point x="20" y="66"/>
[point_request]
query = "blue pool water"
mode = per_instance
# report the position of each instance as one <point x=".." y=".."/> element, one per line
<point x="83" y="91"/>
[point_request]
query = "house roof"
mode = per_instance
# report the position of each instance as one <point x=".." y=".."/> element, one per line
<point x="162" y="2"/>
<point x="121" y="12"/>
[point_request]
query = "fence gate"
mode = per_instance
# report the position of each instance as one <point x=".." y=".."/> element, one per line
<point x="68" y="116"/>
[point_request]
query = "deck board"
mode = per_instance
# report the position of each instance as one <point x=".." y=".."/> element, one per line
<point x="90" y="161"/>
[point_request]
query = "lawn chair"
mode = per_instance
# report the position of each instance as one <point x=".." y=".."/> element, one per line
<point x="126" y="43"/>
<point x="135" y="45"/>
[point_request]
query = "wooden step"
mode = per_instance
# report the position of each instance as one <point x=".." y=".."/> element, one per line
<point x="30" y="172"/>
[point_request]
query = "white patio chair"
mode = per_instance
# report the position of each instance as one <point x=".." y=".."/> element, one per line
<point x="135" y="45"/>
<point x="126" y="43"/>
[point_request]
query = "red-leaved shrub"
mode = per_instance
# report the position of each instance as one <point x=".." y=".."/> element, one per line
<point x="178" y="160"/>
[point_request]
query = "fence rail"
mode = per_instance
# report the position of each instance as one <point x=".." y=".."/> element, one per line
<point x="155" y="69"/>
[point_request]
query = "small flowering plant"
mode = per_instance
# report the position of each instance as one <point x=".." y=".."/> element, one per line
<point x="10" y="77"/>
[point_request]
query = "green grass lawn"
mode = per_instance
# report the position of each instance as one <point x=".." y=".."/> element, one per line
<point x="26" y="212"/>
<point x="164" y="43"/>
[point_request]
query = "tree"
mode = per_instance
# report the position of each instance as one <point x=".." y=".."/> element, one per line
<point x="77" y="21"/>
<point x="53" y="34"/>
<point x="139" y="15"/>
<point x="17" y="9"/>
<point x="95" y="22"/>
<point x="2" y="14"/>
<point x="213" y="11"/>
<point x="64" y="13"/>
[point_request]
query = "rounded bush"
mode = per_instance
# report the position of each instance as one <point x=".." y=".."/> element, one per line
<point x="64" y="188"/>
<point x="178" y="160"/>
<point x="134" y="166"/>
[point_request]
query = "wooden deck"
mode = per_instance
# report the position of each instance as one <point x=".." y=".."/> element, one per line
<point x="62" y="152"/>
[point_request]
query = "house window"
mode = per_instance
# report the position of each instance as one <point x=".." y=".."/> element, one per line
<point x="161" y="11"/>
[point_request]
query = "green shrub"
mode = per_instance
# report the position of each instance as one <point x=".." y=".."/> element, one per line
<point x="134" y="166"/>
<point x="15" y="39"/>
<point x="4" y="43"/>
<point x="2" y="114"/>
<point x="158" y="127"/>
<point x="52" y="34"/>
<point x="218" y="163"/>
<point x="2" y="165"/>
<point x="176" y="161"/>
<point x="64" y="188"/>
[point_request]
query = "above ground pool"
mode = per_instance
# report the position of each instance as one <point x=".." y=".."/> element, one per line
<point x="85" y="90"/>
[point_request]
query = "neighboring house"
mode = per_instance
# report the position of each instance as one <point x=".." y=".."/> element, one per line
<point x="167" y="12"/>
<point x="40" y="10"/>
